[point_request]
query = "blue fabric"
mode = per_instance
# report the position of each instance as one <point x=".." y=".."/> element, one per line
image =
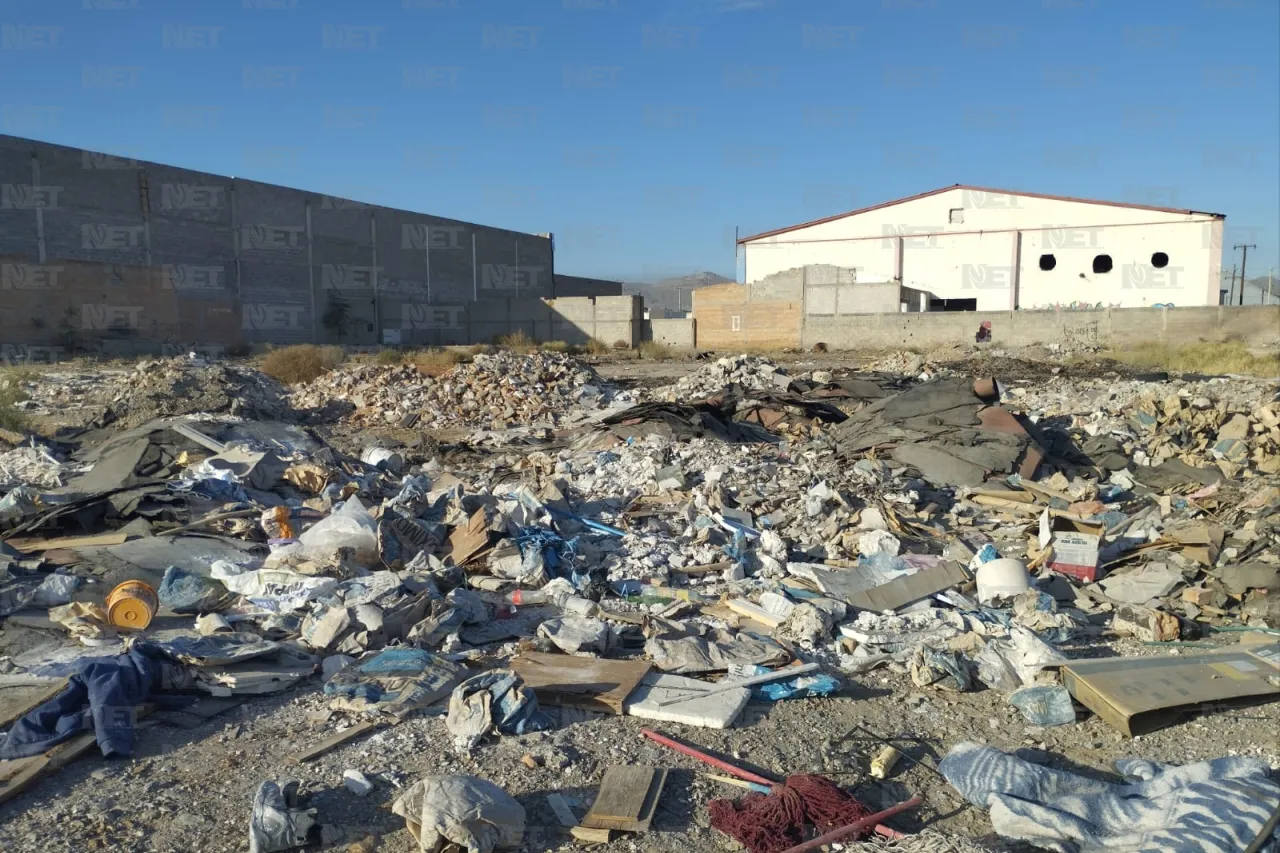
<point x="102" y="696"/>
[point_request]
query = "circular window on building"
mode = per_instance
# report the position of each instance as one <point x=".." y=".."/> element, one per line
<point x="1159" y="260"/>
<point x="1048" y="262"/>
<point x="1102" y="263"/>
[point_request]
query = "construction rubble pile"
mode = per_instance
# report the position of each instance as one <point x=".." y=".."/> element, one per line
<point x="494" y="390"/>
<point x="741" y="538"/>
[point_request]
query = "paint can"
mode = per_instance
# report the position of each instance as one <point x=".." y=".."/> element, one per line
<point x="132" y="605"/>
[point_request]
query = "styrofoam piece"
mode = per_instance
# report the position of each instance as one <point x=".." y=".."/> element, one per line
<point x="1003" y="578"/>
<point x="717" y="711"/>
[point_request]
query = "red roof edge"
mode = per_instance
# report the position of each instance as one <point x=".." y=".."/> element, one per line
<point x="827" y="219"/>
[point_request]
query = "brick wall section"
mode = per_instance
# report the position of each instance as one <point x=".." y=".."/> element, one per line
<point x="760" y="324"/>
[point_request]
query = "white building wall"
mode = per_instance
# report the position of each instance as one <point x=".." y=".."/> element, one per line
<point x="993" y="255"/>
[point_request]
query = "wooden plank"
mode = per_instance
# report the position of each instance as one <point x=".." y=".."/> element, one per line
<point x="31" y="546"/>
<point x="18" y="775"/>
<point x="628" y="799"/>
<point x="596" y="836"/>
<point x="19" y="698"/>
<point x="569" y="681"/>
<point x="561" y="807"/>
<point x="334" y="741"/>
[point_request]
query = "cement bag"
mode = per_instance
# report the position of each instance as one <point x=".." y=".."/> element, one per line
<point x="473" y="813"/>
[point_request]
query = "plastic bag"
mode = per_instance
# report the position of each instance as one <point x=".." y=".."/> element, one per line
<point x="274" y="590"/>
<point x="184" y="592"/>
<point x="467" y="811"/>
<point x="348" y="526"/>
<point x="56" y="590"/>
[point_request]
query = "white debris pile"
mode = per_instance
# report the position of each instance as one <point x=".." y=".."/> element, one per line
<point x="493" y="391"/>
<point x="31" y="466"/>
<point x="751" y="372"/>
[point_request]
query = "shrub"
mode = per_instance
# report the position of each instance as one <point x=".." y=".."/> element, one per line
<point x="654" y="350"/>
<point x="302" y="363"/>
<point x="621" y="344"/>
<point x="435" y="361"/>
<point x="12" y="393"/>
<point x="595" y="346"/>
<point x="390" y="356"/>
<point x="555" y="346"/>
<point x="518" y="341"/>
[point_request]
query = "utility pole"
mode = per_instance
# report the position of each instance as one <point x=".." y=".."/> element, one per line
<point x="1244" y="259"/>
<point x="1231" y="288"/>
<point x="1270" y="276"/>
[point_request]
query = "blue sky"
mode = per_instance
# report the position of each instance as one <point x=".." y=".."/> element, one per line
<point x="643" y="133"/>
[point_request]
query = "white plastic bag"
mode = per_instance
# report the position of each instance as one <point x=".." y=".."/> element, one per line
<point x="348" y="526"/>
<point x="473" y="813"/>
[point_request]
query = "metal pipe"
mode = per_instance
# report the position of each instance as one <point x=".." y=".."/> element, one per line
<point x="845" y="831"/>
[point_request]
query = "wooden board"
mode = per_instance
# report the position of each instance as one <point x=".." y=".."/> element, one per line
<point x="19" y="698"/>
<point x="31" y="546"/>
<point x="627" y="800"/>
<point x="337" y="740"/>
<point x="580" y="682"/>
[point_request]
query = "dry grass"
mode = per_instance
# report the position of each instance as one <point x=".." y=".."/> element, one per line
<point x="436" y="361"/>
<point x="12" y="393"/>
<point x="389" y="357"/>
<point x="518" y="341"/>
<point x="654" y="350"/>
<point x="1230" y="357"/>
<point x="555" y="346"/>
<point x="595" y="346"/>
<point x="302" y="363"/>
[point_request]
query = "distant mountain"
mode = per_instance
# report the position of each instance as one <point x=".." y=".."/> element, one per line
<point x="673" y="294"/>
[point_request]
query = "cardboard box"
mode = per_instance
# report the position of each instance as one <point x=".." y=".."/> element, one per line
<point x="1076" y="545"/>
<point x="1140" y="695"/>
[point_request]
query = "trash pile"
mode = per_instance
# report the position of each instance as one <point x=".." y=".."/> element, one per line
<point x="754" y="373"/>
<point x="493" y="391"/>
<point x="182" y="385"/>
<point x="757" y="538"/>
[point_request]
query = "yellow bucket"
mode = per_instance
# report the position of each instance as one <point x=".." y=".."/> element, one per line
<point x="132" y="605"/>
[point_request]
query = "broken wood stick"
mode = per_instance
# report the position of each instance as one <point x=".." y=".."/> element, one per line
<point x="763" y="678"/>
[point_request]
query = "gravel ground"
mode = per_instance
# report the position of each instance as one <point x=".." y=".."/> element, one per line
<point x="191" y="789"/>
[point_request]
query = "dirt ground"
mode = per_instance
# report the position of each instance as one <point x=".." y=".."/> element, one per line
<point x="190" y="789"/>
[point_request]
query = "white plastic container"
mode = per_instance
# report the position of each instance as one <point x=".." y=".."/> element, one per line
<point x="1003" y="578"/>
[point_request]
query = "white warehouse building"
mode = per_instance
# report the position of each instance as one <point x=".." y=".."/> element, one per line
<point x="975" y="248"/>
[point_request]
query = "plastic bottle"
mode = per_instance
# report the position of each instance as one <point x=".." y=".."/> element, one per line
<point x="522" y="597"/>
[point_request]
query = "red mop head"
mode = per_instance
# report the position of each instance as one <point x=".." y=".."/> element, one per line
<point x="775" y="822"/>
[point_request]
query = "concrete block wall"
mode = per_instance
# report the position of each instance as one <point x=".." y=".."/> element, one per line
<point x="609" y="319"/>
<point x="677" y="334"/>
<point x="298" y="266"/>
<point x="1107" y="327"/>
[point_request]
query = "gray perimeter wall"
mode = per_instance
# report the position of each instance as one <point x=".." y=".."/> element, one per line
<point x="102" y="253"/>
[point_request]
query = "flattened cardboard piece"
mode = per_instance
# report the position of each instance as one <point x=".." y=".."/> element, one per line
<point x="470" y="540"/>
<point x="912" y="588"/>
<point x="1076" y="545"/>
<point x="627" y="800"/>
<point x="1140" y="695"/>
<point x="580" y="682"/>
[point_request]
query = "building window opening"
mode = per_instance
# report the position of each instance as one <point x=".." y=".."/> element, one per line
<point x="1159" y="260"/>
<point x="736" y="323"/>
<point x="956" y="216"/>
<point x="1102" y="263"/>
<point x="1048" y="262"/>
